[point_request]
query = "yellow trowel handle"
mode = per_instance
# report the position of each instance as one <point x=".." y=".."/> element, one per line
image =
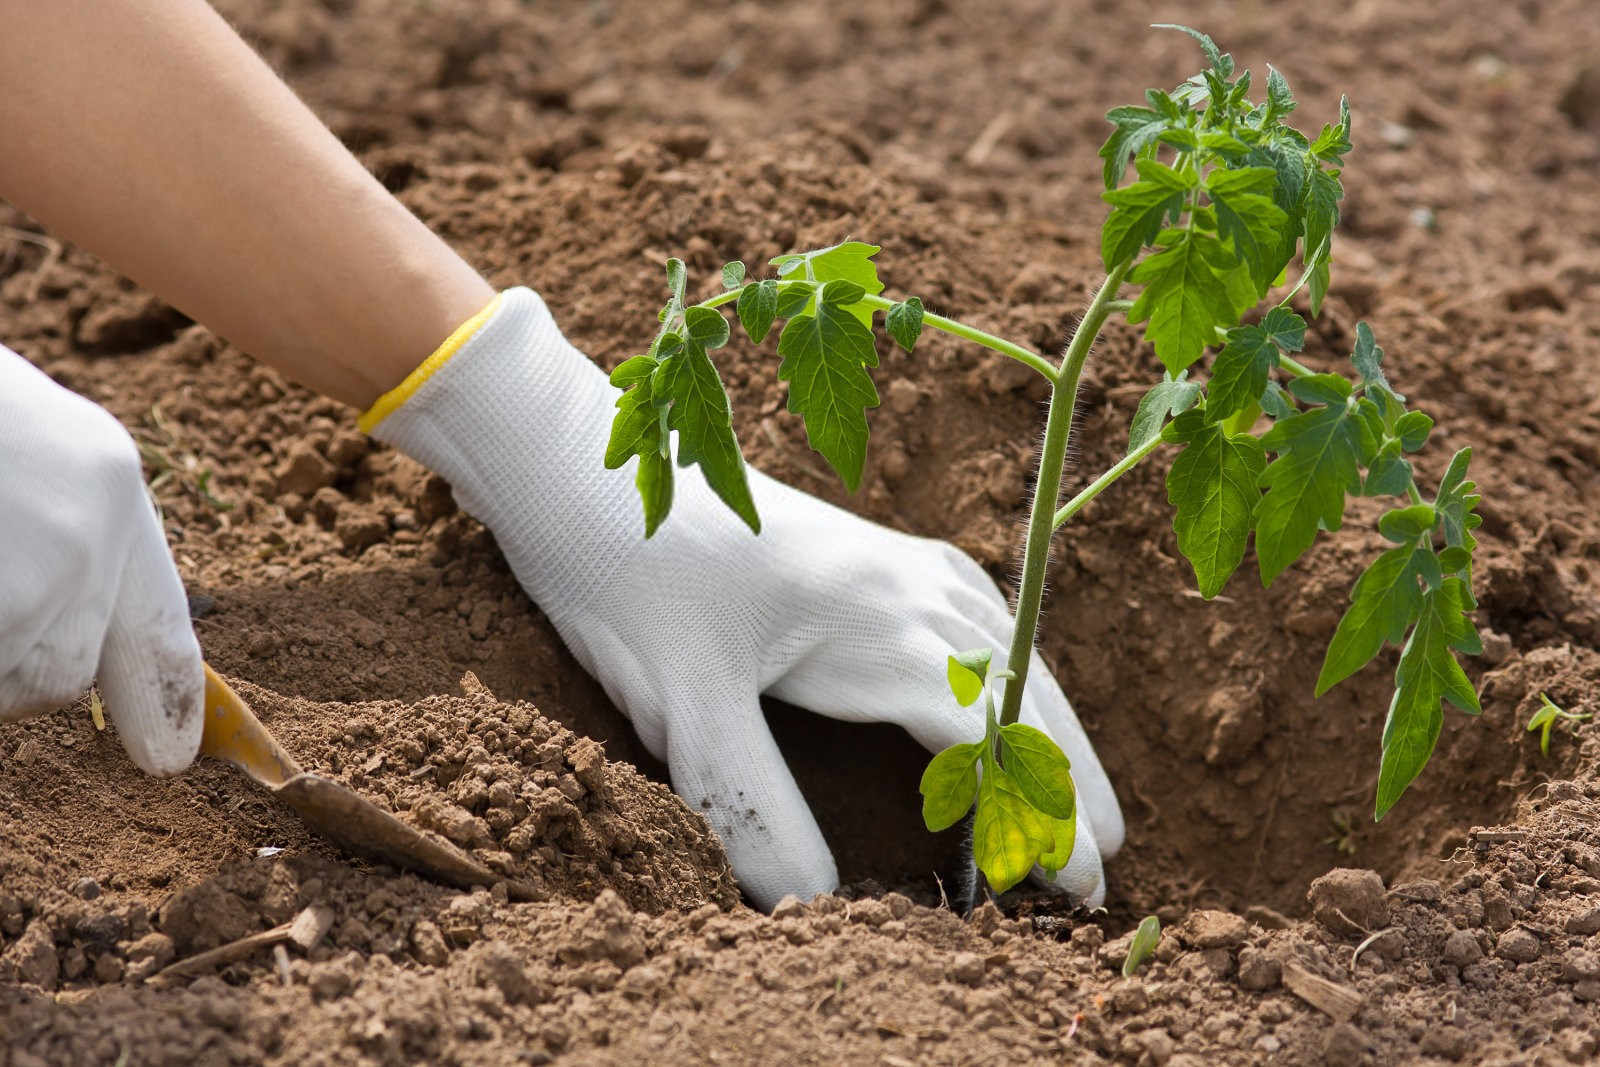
<point x="233" y="733"/>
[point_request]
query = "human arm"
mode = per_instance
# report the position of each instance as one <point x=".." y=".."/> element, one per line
<point x="148" y="133"/>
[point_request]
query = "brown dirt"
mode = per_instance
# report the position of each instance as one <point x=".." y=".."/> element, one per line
<point x="572" y="146"/>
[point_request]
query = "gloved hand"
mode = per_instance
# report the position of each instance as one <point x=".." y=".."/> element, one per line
<point x="87" y="587"/>
<point x="825" y="610"/>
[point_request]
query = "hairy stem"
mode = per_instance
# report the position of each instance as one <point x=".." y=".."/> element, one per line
<point x="1047" y="489"/>
<point x="1098" y="486"/>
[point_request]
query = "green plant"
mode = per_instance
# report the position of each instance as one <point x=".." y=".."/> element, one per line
<point x="1227" y="197"/>
<point x="1547" y="715"/>
<point x="1145" y="940"/>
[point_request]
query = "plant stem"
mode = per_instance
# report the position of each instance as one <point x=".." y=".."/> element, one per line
<point x="938" y="322"/>
<point x="1047" y="489"/>
<point x="1096" y="487"/>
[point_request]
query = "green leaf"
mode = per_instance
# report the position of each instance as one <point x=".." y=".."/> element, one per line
<point x="1280" y="101"/>
<point x="1247" y="216"/>
<point x="1318" y="453"/>
<point x="1139" y="210"/>
<point x="793" y="297"/>
<point x="757" y="307"/>
<point x="1040" y="769"/>
<point x="1184" y="299"/>
<point x="1384" y="603"/>
<point x="950" y="785"/>
<point x="654" y="482"/>
<point x="1171" y="396"/>
<point x="1213" y="487"/>
<point x="1008" y="834"/>
<point x="632" y="428"/>
<point x="732" y="274"/>
<point x="1240" y="373"/>
<point x="1413" y="428"/>
<point x="1221" y="62"/>
<point x="703" y="417"/>
<point x="1317" y="288"/>
<point x="632" y="371"/>
<point x="677" y="279"/>
<point x="1137" y="129"/>
<point x="1428" y="674"/>
<point x="706" y="327"/>
<point x="1286" y="329"/>
<point x="1277" y="402"/>
<point x="967" y="673"/>
<point x="849" y="262"/>
<point x="825" y="356"/>
<point x="840" y="293"/>
<point x="1456" y="501"/>
<point x="1320" y="211"/>
<point x="1066" y="835"/>
<point x="1403" y="525"/>
<point x="1389" y="474"/>
<point x="1145" y="940"/>
<point x="904" y="322"/>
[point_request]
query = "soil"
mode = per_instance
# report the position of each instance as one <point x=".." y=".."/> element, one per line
<point x="573" y="146"/>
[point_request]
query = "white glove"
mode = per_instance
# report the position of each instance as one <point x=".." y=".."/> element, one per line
<point x="685" y="631"/>
<point x="87" y="587"/>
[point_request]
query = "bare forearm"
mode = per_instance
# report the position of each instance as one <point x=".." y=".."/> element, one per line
<point x="148" y="132"/>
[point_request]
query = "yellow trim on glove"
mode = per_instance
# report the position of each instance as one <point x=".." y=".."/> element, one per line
<point x="389" y="402"/>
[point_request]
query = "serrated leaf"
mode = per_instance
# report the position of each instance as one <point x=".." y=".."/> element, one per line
<point x="1184" y="300"/>
<point x="1388" y="474"/>
<point x="703" y="417"/>
<point x="1145" y="940"/>
<point x="1317" y="287"/>
<point x="1040" y="769"/>
<point x="1317" y="464"/>
<point x="1320" y="209"/>
<point x="1180" y="137"/>
<point x="1213" y="487"/>
<point x="1139" y="210"/>
<point x="967" y="672"/>
<point x="1368" y="360"/>
<point x="633" y="426"/>
<point x="705" y="327"/>
<point x="1280" y="101"/>
<point x="732" y="274"/>
<point x="1221" y="62"/>
<point x="1008" y="834"/>
<point x="1277" y="402"/>
<point x="904" y="322"/>
<point x="1247" y="216"/>
<point x="949" y="785"/>
<point x="1285" y="329"/>
<point x="1171" y="396"/>
<point x="1240" y="372"/>
<point x="1428" y="675"/>
<point x="1137" y="129"/>
<point x="825" y="356"/>
<point x="850" y="261"/>
<point x="757" y="307"/>
<point x="1384" y="602"/>
<point x="1456" y="501"/>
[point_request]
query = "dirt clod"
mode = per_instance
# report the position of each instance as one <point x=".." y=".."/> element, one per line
<point x="1348" y="901"/>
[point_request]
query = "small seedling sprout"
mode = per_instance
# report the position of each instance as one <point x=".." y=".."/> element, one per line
<point x="1226" y="199"/>
<point x="1145" y="940"/>
<point x="1546" y="717"/>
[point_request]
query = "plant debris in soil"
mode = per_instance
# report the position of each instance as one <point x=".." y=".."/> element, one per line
<point x="571" y="146"/>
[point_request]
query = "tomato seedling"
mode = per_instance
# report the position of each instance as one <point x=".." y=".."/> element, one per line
<point x="1227" y="198"/>
<point x="1547" y="715"/>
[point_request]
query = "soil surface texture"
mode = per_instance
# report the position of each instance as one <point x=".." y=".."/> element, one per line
<point x="573" y="146"/>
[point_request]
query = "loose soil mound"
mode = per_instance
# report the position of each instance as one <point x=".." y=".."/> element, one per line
<point x="573" y="147"/>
